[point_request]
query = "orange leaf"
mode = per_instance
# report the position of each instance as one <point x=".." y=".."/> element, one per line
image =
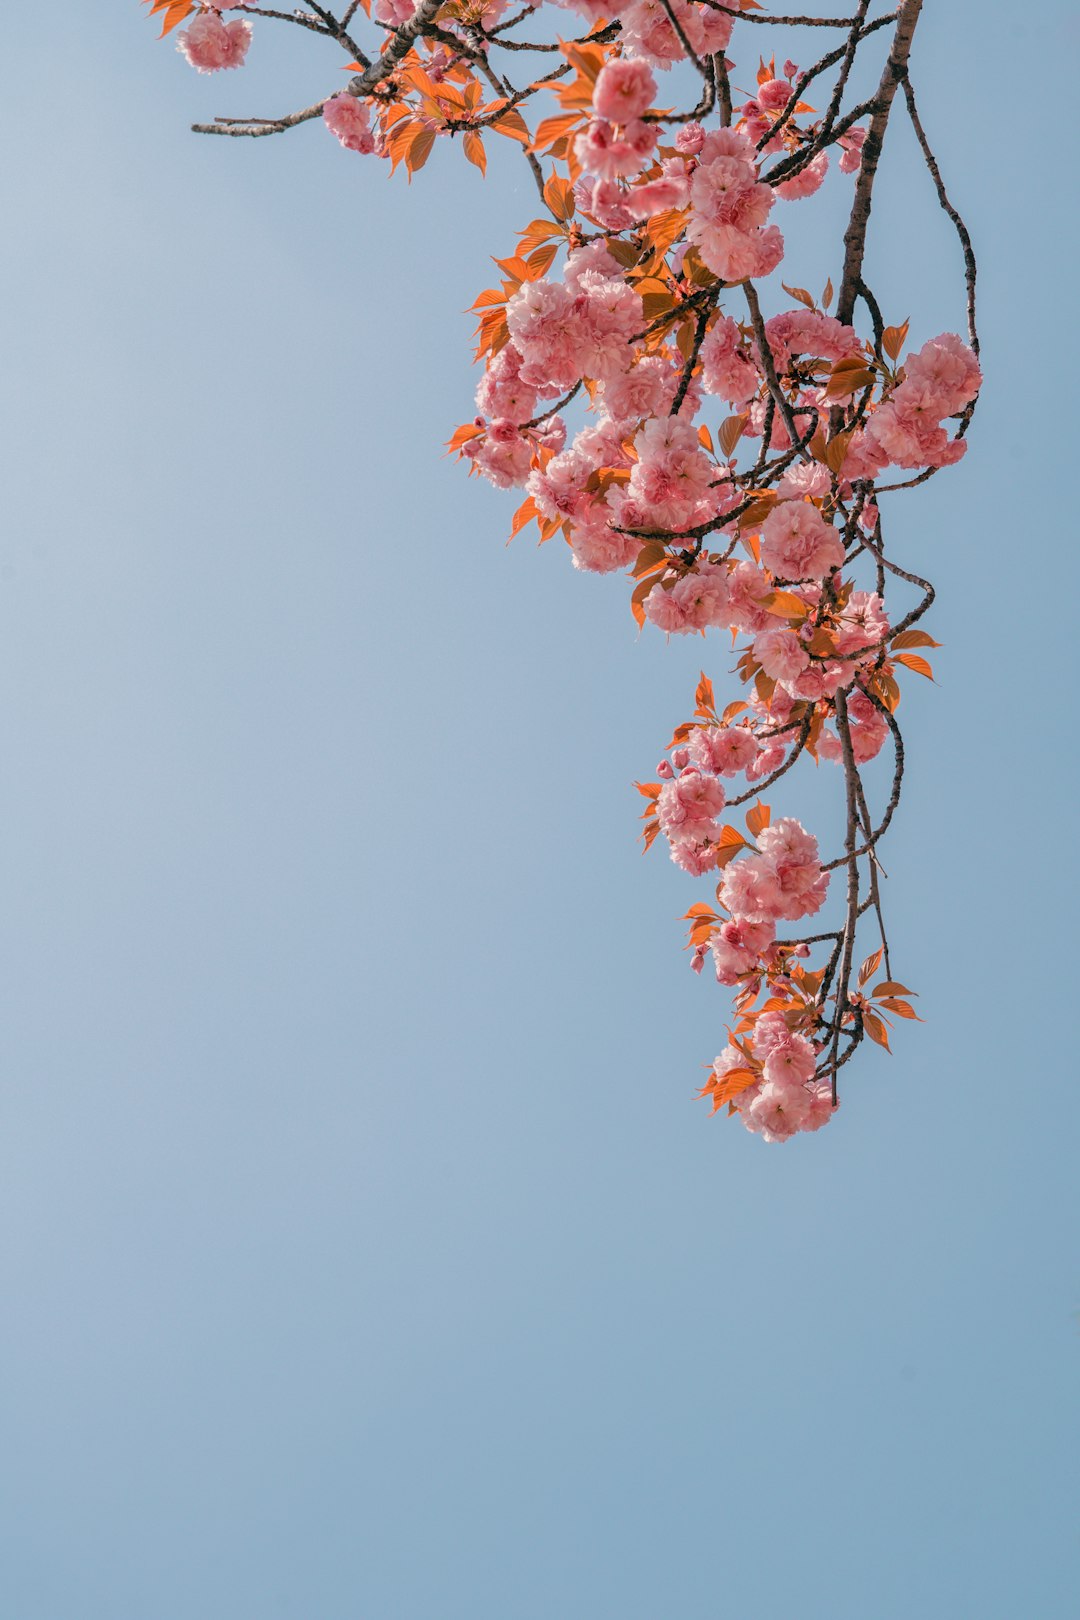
<point x="870" y="966"/>
<point x="914" y="638"/>
<point x="731" y="431"/>
<point x="893" y="339"/>
<point x="758" y="818"/>
<point x="559" y="196"/>
<point x="876" y="1030"/>
<point x="419" y="151"/>
<point x="800" y="294"/>
<point x="734" y="1082"/>
<point x="888" y="987"/>
<point x="703" y="696"/>
<point x="523" y="516"/>
<point x="919" y="665"/>
<point x="474" y="150"/>
<point x="785" y="604"/>
<point x="901" y="1008"/>
<point x="175" y="12"/>
<point x="462" y="435"/>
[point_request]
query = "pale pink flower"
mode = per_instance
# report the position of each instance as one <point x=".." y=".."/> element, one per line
<point x="605" y="201"/>
<point x="647" y="28"/>
<point x="611" y="155"/>
<point x="778" y="1112"/>
<point x="545" y="324"/>
<point x="702" y="595"/>
<point x="804" y="478"/>
<point x="750" y="890"/>
<point x="503" y="455"/>
<point x="348" y="118"/>
<point x="791" y="1062"/>
<point x="821" y="1106"/>
<point x="737" y="947"/>
<point x="689" y="801"/>
<point x="597" y="547"/>
<point x="727" y="369"/>
<point x="501" y="392"/>
<point x="808" y="331"/>
<point x="610" y="314"/>
<point x="673" y="476"/>
<point x="948" y="368"/>
<point x="624" y="89"/>
<point x="690" y="140"/>
<point x="211" y="45"/>
<point x="807" y="181"/>
<point x="797" y="543"/>
<point x="781" y="654"/>
<point x="726" y="750"/>
<point x="670" y="189"/>
<point x="646" y="390"/>
<point x="392" y="13"/>
<point x="851" y="145"/>
<point x="747" y="586"/>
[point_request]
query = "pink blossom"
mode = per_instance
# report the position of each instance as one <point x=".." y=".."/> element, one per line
<point x="670" y="189"/>
<point x="690" y="140"/>
<point x="729" y="207"/>
<point x="781" y="654"/>
<point x="597" y="547"/>
<point x="750" y="890"/>
<point x="778" y="1112"/>
<point x="747" y="586"/>
<point x="673" y="475"/>
<point x="688" y="802"/>
<point x="790" y="1062"/>
<point x="947" y="367"/>
<point x="808" y="331"/>
<point x="807" y="181"/>
<point x="804" y="478"/>
<point x="727" y="369"/>
<point x="612" y="156"/>
<point x="605" y="201"/>
<point x="545" y="324"/>
<point x="348" y="118"/>
<point x="646" y="390"/>
<point x="647" y="28"/>
<point x="702" y="597"/>
<point x="725" y="750"/>
<point x="610" y="314"/>
<point x="851" y="145"/>
<point x="624" y="89"/>
<point x="392" y="13"/>
<point x="210" y="44"/>
<point x="797" y="543"/>
<point x="503" y="455"/>
<point x="737" y="947"/>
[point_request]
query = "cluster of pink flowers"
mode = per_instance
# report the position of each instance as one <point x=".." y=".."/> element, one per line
<point x="729" y="207"/>
<point x="782" y="1096"/>
<point x="907" y="430"/>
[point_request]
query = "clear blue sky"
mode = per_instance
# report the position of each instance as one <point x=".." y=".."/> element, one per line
<point x="363" y="1254"/>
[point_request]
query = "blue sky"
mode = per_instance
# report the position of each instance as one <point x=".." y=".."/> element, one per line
<point x="364" y="1255"/>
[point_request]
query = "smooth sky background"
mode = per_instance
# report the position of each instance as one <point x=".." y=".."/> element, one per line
<point x="363" y="1252"/>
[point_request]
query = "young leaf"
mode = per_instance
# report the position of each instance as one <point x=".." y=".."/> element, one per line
<point x="758" y="818"/>
<point x="870" y="967"/>
<point x="919" y="665"/>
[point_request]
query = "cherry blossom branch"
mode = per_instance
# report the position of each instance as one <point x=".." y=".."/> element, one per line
<point x="855" y="236"/>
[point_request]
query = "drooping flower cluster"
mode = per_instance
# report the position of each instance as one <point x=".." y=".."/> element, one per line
<point x="627" y="321"/>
